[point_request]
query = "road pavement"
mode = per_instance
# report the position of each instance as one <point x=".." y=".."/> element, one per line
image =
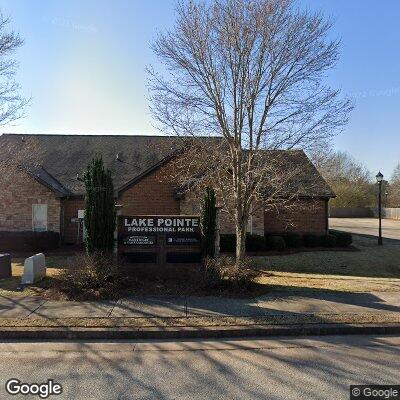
<point x="367" y="226"/>
<point x="281" y="368"/>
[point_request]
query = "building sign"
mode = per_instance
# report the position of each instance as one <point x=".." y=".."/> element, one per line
<point x="183" y="240"/>
<point x="161" y="224"/>
<point x="139" y="240"/>
<point x="160" y="239"/>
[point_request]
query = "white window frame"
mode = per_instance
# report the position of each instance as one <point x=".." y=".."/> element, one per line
<point x="33" y="217"/>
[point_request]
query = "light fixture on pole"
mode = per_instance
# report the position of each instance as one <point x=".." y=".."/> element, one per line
<point x="379" y="179"/>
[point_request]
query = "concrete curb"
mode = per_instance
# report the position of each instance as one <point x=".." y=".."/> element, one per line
<point x="213" y="332"/>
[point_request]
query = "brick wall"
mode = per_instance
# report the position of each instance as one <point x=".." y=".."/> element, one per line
<point x="302" y="216"/>
<point x="151" y="196"/>
<point x="19" y="191"/>
<point x="70" y="209"/>
<point x="190" y="205"/>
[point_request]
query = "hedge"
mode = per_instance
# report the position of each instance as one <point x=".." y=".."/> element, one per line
<point x="29" y="241"/>
<point x="329" y="240"/>
<point x="312" y="240"/>
<point x="255" y="243"/>
<point x="275" y="242"/>
<point x="227" y="243"/>
<point x="293" y="239"/>
<point x="343" y="239"/>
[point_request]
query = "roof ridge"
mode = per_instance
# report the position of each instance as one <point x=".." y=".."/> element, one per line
<point x="100" y="135"/>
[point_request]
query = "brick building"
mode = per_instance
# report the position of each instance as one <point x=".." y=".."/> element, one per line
<point x="46" y="195"/>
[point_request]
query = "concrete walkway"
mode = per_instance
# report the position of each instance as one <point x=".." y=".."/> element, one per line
<point x="188" y="306"/>
<point x="367" y="226"/>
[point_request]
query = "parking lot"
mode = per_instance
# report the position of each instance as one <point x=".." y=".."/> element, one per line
<point x="367" y="226"/>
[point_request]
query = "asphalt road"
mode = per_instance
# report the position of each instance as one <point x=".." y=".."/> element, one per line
<point x="367" y="226"/>
<point x="283" y="368"/>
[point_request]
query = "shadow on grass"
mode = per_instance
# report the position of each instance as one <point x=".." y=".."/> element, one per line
<point x="370" y="260"/>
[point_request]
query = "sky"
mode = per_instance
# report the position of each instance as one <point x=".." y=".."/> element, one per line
<point x="83" y="64"/>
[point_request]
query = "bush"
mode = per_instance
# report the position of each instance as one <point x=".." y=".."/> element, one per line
<point x="328" y="240"/>
<point x="29" y="241"/>
<point x="227" y="243"/>
<point x="222" y="273"/>
<point x="343" y="239"/>
<point x="311" y="240"/>
<point x="293" y="240"/>
<point x="255" y="242"/>
<point x="92" y="275"/>
<point x="276" y="243"/>
<point x="43" y="241"/>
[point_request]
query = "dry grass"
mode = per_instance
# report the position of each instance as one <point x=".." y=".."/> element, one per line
<point x="202" y="321"/>
<point x="55" y="264"/>
<point x="284" y="281"/>
<point x="370" y="268"/>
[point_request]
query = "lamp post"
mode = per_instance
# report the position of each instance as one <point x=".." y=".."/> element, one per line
<point x="379" y="179"/>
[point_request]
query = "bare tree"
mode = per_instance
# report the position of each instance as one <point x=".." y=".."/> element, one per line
<point x="12" y="104"/>
<point x="251" y="73"/>
<point x="396" y="174"/>
<point x="394" y="188"/>
<point x="349" y="179"/>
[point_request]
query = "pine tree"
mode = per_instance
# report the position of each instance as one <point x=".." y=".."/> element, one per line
<point x="208" y="222"/>
<point x="99" y="208"/>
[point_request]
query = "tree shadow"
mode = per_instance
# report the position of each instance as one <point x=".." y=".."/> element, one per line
<point x="279" y="368"/>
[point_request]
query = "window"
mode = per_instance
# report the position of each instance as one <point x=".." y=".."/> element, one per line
<point x="39" y="217"/>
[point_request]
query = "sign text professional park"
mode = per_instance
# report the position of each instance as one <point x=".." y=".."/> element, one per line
<point x="161" y="224"/>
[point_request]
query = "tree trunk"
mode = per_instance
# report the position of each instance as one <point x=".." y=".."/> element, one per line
<point x="240" y="243"/>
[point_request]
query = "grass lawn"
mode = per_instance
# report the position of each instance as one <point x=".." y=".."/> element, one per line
<point x="367" y="268"/>
<point x="370" y="268"/>
<point x="9" y="287"/>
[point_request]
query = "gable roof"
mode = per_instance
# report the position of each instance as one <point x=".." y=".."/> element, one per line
<point x="63" y="157"/>
<point x="43" y="177"/>
<point x="305" y="181"/>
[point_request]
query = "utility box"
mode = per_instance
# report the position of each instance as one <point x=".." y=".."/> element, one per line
<point x="34" y="269"/>
<point x="5" y="266"/>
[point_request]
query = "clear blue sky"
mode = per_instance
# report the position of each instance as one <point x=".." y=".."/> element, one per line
<point x="84" y="61"/>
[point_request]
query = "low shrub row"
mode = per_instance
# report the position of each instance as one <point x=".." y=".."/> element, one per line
<point x="344" y="239"/>
<point x="29" y="241"/>
<point x="280" y="242"/>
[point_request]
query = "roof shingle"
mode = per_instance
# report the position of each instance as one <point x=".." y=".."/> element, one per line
<point x="63" y="157"/>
